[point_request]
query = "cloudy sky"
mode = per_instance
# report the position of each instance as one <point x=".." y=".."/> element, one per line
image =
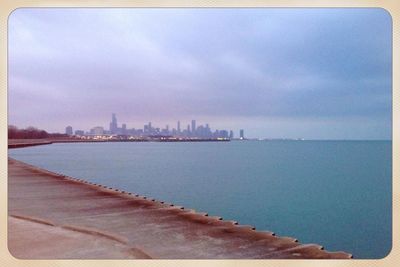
<point x="309" y="73"/>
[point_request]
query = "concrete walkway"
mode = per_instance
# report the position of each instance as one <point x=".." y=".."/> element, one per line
<point x="56" y="217"/>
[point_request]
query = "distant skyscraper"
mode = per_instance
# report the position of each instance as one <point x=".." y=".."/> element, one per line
<point x="223" y="133"/>
<point x="231" y="134"/>
<point x="178" y="128"/>
<point x="193" y="126"/>
<point x="98" y="130"/>
<point x="123" y="129"/>
<point x="113" y="124"/>
<point x="79" y="132"/>
<point x="241" y="134"/>
<point x="68" y="130"/>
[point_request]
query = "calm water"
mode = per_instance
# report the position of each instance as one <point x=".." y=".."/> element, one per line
<point x="334" y="193"/>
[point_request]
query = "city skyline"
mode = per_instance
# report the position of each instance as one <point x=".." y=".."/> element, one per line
<point x="191" y="131"/>
<point x="277" y="73"/>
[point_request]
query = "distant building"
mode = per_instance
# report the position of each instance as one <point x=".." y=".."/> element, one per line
<point x="146" y="129"/>
<point x="231" y="134"/>
<point x="208" y="131"/>
<point x="113" y="124"/>
<point x="178" y="128"/>
<point x="68" y="130"/>
<point x="79" y="132"/>
<point x="193" y="127"/>
<point x="241" y="134"/>
<point x="98" y="130"/>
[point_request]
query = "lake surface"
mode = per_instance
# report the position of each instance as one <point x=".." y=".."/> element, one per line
<point x="334" y="193"/>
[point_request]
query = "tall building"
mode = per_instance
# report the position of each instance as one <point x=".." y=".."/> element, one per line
<point x="223" y="133"/>
<point x="123" y="129"/>
<point x="231" y="134"/>
<point x="193" y="127"/>
<point x="241" y="134"/>
<point x="98" y="130"/>
<point x="113" y="124"/>
<point x="178" y="128"/>
<point x="68" y="130"/>
<point x="146" y="129"/>
<point x="79" y="132"/>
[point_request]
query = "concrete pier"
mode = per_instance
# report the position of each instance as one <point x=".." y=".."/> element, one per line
<point x="52" y="216"/>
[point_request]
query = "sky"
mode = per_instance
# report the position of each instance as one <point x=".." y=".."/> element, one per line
<point x="276" y="73"/>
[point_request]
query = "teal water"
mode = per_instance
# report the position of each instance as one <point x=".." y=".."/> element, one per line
<point x="334" y="193"/>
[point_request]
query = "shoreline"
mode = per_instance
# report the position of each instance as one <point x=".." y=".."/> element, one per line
<point x="159" y="229"/>
<point x="20" y="143"/>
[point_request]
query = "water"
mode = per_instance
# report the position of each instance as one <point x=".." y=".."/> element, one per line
<point x="334" y="193"/>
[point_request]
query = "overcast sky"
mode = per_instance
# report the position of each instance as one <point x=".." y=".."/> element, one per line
<point x="309" y="73"/>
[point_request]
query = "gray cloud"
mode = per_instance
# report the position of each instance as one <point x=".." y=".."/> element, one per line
<point x="317" y="66"/>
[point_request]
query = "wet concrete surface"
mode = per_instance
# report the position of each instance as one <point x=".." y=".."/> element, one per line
<point x="69" y="218"/>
